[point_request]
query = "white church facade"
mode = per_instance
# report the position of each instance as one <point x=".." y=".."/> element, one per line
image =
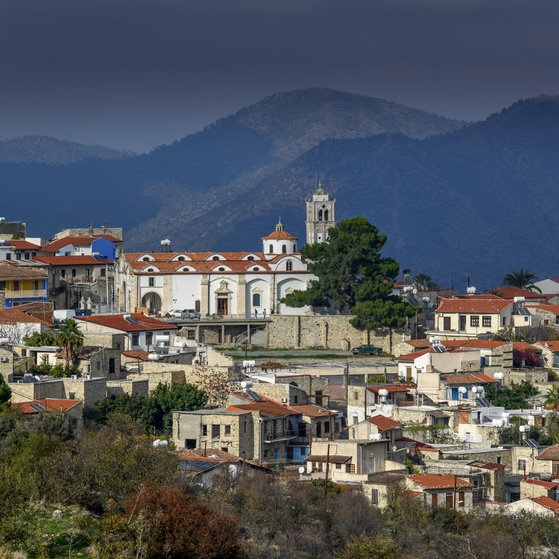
<point x="223" y="284"/>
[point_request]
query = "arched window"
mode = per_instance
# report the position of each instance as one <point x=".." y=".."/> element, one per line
<point x="271" y="248"/>
<point x="256" y="299"/>
<point x="215" y="258"/>
<point x="284" y="249"/>
<point x="221" y="269"/>
<point x="181" y="259"/>
<point x="250" y="257"/>
<point x="146" y="258"/>
<point x="325" y="215"/>
<point x="289" y="265"/>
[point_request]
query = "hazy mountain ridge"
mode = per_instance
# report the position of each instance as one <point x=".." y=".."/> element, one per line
<point x="51" y="151"/>
<point x="452" y="199"/>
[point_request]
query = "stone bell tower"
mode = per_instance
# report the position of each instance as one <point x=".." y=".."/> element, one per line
<point x="320" y="216"/>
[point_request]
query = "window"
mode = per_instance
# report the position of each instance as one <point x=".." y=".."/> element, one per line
<point x="74" y="273"/>
<point x="8" y="256"/>
<point x="486" y="321"/>
<point x="204" y="430"/>
<point x="216" y="431"/>
<point x="135" y="339"/>
<point x="181" y="258"/>
<point x="434" y="500"/>
<point x="256" y="299"/>
<point x="2" y="285"/>
<point x="228" y="429"/>
<point x="98" y="365"/>
<point x="319" y="215"/>
<point x="374" y="496"/>
<point x="449" y="501"/>
<point x="215" y="258"/>
<point x="289" y="265"/>
<point x="474" y="321"/>
<point x="461" y="498"/>
<point x="250" y="258"/>
<point x="151" y="281"/>
<point x="271" y="248"/>
<point x="338" y="466"/>
<point x="555" y="469"/>
<point x="145" y="258"/>
<point x="26" y="256"/>
<point x="71" y="395"/>
<point x="63" y="273"/>
<point x="522" y="465"/>
<point x="35" y="285"/>
<point x="18" y="255"/>
<point x="284" y="249"/>
<point x="16" y="285"/>
<point x="103" y="272"/>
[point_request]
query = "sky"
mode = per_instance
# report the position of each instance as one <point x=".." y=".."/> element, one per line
<point x="135" y="74"/>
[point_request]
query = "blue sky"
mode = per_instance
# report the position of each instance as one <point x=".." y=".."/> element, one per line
<point x="134" y="74"/>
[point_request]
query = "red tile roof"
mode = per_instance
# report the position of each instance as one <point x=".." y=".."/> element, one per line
<point x="22" y="245"/>
<point x="554" y="309"/>
<point x="466" y="378"/>
<point x="14" y="315"/>
<point x="266" y="407"/>
<point x="550" y="453"/>
<point x="553" y="345"/>
<point x="135" y="322"/>
<point x="512" y="292"/>
<point x="488" y="306"/>
<point x="332" y="459"/>
<point x="475" y="344"/>
<point x="79" y="260"/>
<point x="138" y="354"/>
<point x="390" y="387"/>
<point x="279" y="236"/>
<point x="546" y="502"/>
<point x="12" y="271"/>
<point x="384" y="423"/>
<point x="77" y="240"/>
<point x="541" y="483"/>
<point x="439" y="481"/>
<point x="312" y="410"/>
<point x="46" y="405"/>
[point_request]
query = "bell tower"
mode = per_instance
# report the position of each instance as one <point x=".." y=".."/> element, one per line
<point x="320" y="216"/>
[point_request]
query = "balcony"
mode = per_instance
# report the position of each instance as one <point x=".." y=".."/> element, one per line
<point x="25" y="293"/>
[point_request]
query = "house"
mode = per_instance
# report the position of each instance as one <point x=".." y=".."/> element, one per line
<point x="225" y="284"/>
<point x="22" y="284"/>
<point x="531" y="487"/>
<point x="549" y="352"/>
<point x="461" y="387"/>
<point x="473" y="316"/>
<point x="377" y="427"/>
<point x="442" y="490"/>
<point x="72" y="409"/>
<point x="251" y="426"/>
<point x="548" y="463"/>
<point x="365" y="401"/>
<point x="141" y="331"/>
<point x="348" y="461"/>
<point x="543" y="506"/>
<point x="204" y="466"/>
<point x="16" y="325"/>
<point x="493" y="482"/>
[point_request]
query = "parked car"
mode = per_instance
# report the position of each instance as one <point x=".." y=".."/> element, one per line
<point x="366" y="349"/>
<point x="191" y="313"/>
<point x="176" y="313"/>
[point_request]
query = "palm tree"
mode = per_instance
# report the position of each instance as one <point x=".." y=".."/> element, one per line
<point x="70" y="340"/>
<point x="522" y="279"/>
<point x="552" y="397"/>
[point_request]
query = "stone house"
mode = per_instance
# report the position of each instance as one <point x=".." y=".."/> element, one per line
<point x="531" y="487"/>
<point x="442" y="490"/>
<point x="140" y="331"/>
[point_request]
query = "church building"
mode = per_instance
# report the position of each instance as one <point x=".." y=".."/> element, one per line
<point x="232" y="284"/>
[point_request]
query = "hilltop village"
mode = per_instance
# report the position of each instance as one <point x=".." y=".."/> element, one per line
<point x="458" y="407"/>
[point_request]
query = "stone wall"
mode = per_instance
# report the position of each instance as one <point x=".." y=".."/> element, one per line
<point x="119" y="387"/>
<point x="25" y="391"/>
<point x="89" y="390"/>
<point x="324" y="332"/>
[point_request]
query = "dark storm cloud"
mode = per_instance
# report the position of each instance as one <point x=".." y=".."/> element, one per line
<point x="135" y="73"/>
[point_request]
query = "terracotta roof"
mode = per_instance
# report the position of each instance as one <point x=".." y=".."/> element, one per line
<point x="525" y="346"/>
<point x="439" y="481"/>
<point x="12" y="271"/>
<point x="384" y="423"/>
<point x="46" y="405"/>
<point x="332" y="459"/>
<point x="466" y="378"/>
<point x="279" y="236"/>
<point x="79" y="260"/>
<point x="166" y="262"/>
<point x="554" y="309"/>
<point x="413" y="356"/>
<point x="391" y="388"/>
<point x="475" y="344"/>
<point x="77" y="240"/>
<point x="486" y="465"/>
<point x="212" y="454"/>
<point x="550" y="453"/>
<point x="488" y="306"/>
<point x="312" y="410"/>
<point x="265" y="407"/>
<point x="539" y="482"/>
<point x="22" y="245"/>
<point x="14" y="315"/>
<point x="138" y="354"/>
<point x="553" y="345"/>
<point x="135" y="322"/>
<point x="546" y="502"/>
<point x="512" y="292"/>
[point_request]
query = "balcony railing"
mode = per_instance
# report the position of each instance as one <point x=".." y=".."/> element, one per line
<point x="25" y="293"/>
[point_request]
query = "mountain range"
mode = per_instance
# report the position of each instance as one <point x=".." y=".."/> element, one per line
<point x="455" y="199"/>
